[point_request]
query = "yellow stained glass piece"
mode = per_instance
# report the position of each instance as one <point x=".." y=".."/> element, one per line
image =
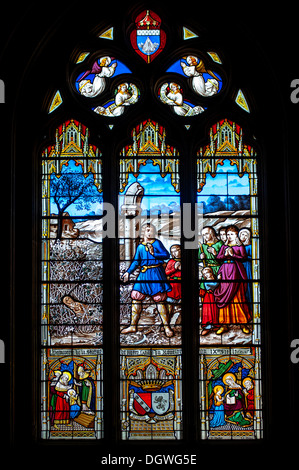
<point x="188" y="34"/>
<point x="108" y="34"/>
<point x="56" y="101"/>
<point x="241" y="101"/>
<point x="82" y="57"/>
<point x="215" y="57"/>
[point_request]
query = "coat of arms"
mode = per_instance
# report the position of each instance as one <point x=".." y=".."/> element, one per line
<point x="151" y="399"/>
<point x="147" y="38"/>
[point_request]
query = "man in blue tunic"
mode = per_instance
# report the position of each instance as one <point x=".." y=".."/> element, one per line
<point x="151" y="281"/>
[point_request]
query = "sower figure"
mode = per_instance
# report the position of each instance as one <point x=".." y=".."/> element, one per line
<point x="151" y="281"/>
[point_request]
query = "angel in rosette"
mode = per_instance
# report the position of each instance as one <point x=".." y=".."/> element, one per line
<point x="195" y="68"/>
<point x="126" y="94"/>
<point x="101" y="69"/>
<point x="171" y="94"/>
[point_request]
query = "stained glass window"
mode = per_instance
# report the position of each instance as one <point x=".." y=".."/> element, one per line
<point x="229" y="286"/>
<point x="150" y="289"/>
<point x="72" y="286"/>
<point x="154" y="173"/>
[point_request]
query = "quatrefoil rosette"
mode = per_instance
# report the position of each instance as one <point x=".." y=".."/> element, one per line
<point x="204" y="82"/>
<point x="92" y="83"/>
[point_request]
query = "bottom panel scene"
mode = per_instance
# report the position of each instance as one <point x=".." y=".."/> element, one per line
<point x="72" y="397"/>
<point x="230" y="393"/>
<point x="151" y="390"/>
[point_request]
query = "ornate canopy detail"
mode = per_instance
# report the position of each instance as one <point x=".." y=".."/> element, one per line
<point x="149" y="142"/>
<point x="226" y="142"/>
<point x="72" y="142"/>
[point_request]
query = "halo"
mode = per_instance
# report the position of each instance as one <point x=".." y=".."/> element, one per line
<point x="229" y="374"/>
<point x="218" y="388"/>
<point x="68" y="374"/>
<point x="246" y="378"/>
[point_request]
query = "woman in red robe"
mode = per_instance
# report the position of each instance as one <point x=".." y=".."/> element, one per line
<point x="209" y="308"/>
<point x="62" y="406"/>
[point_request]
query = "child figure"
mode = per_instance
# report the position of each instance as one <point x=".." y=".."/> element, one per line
<point x="218" y="408"/>
<point x="173" y="273"/>
<point x="209" y="308"/>
<point x="74" y="407"/>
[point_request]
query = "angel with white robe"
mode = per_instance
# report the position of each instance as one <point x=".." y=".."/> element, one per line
<point x="171" y="94"/>
<point x="195" y="69"/>
<point x="101" y="70"/>
<point x="127" y="94"/>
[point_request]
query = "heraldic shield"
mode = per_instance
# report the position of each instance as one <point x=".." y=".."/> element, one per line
<point x="147" y="38"/>
<point x="151" y="394"/>
<point x="151" y="403"/>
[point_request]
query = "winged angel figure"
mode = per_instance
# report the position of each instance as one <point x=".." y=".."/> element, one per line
<point x="171" y="94"/>
<point x="126" y="94"/>
<point x="194" y="67"/>
<point x="93" y="82"/>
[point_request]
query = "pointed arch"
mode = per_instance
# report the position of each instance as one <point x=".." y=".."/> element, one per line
<point x="108" y="139"/>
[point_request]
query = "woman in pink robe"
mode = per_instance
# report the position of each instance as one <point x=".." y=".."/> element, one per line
<point x="230" y="294"/>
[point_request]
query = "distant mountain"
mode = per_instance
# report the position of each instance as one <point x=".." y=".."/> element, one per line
<point x="149" y="47"/>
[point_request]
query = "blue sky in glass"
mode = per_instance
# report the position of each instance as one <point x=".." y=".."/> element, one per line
<point x="226" y="184"/>
<point x="95" y="208"/>
<point x="159" y="193"/>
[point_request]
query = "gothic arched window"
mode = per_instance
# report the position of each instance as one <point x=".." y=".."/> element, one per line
<point x="156" y="298"/>
<point x="148" y="257"/>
